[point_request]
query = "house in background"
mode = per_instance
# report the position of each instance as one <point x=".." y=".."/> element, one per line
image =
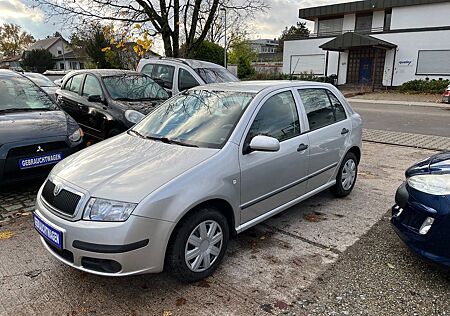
<point x="267" y="49"/>
<point x="376" y="42"/>
<point x="64" y="56"/>
<point x="12" y="63"/>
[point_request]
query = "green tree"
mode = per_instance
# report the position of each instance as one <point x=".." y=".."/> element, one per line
<point x="294" y="32"/>
<point x="38" y="60"/>
<point x="243" y="55"/>
<point x="207" y="51"/>
<point x="97" y="47"/>
<point x="13" y="41"/>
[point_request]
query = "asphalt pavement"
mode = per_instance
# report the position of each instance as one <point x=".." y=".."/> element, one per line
<point x="414" y="119"/>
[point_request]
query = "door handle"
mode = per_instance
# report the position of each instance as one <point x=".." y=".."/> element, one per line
<point x="344" y="131"/>
<point x="302" y="147"/>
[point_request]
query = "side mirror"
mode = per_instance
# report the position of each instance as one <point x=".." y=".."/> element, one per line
<point x="95" y="98"/>
<point x="264" y="143"/>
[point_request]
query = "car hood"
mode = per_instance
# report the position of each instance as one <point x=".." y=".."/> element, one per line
<point x="144" y="107"/>
<point x="19" y="126"/>
<point x="439" y="163"/>
<point x="128" y="168"/>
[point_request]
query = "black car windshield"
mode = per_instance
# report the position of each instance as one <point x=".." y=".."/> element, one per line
<point x="134" y="87"/>
<point x="212" y="75"/>
<point x="40" y="80"/>
<point x="197" y="117"/>
<point x="20" y="94"/>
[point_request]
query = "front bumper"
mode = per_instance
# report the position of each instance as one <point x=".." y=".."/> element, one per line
<point x="135" y="246"/>
<point x="408" y="214"/>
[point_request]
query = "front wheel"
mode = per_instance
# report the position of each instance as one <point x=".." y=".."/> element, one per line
<point x="198" y="245"/>
<point x="346" y="177"/>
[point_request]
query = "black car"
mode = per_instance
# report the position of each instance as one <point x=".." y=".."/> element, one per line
<point x="421" y="214"/>
<point x="106" y="102"/>
<point x="34" y="132"/>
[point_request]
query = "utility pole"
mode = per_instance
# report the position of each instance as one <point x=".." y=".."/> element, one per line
<point x="225" y="46"/>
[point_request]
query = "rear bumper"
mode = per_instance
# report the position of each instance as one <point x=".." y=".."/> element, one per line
<point x="9" y="165"/>
<point x="135" y="246"/>
<point x="434" y="244"/>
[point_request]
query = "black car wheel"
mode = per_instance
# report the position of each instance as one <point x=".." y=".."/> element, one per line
<point x="198" y="245"/>
<point x="346" y="177"/>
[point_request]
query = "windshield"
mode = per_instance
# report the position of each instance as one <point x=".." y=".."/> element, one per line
<point x="199" y="117"/>
<point x="40" y="80"/>
<point x="134" y="87"/>
<point x="212" y="75"/>
<point x="20" y="94"/>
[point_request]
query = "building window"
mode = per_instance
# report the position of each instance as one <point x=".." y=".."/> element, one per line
<point x="59" y="52"/>
<point x="432" y="62"/>
<point x="387" y="20"/>
<point x="331" y="26"/>
<point x="61" y="66"/>
<point x="363" y="23"/>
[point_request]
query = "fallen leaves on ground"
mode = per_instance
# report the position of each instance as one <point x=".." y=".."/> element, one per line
<point x="167" y="313"/>
<point x="203" y="283"/>
<point x="6" y="235"/>
<point x="181" y="301"/>
<point x="313" y="218"/>
<point x="390" y="265"/>
<point x="281" y="305"/>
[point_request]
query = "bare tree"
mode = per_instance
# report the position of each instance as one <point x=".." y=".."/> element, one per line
<point x="177" y="21"/>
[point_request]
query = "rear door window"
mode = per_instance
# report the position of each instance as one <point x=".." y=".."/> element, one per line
<point x="76" y="83"/>
<point x="164" y="73"/>
<point x="91" y="86"/>
<point x="322" y="107"/>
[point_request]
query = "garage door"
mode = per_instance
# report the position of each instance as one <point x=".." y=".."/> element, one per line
<point x="433" y="62"/>
<point x="308" y="63"/>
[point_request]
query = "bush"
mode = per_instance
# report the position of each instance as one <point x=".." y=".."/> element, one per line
<point x="244" y="68"/>
<point x="424" y="86"/>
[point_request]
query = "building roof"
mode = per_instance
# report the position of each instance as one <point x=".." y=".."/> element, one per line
<point x="350" y="39"/>
<point x="45" y="43"/>
<point x="358" y="6"/>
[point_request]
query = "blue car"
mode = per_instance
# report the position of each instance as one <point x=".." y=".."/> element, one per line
<point x="421" y="214"/>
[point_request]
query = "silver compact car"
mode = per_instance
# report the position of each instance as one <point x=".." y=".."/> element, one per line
<point x="205" y="165"/>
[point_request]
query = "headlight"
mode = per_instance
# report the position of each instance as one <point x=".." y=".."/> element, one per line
<point x="76" y="136"/>
<point x="133" y="116"/>
<point x="107" y="210"/>
<point x="436" y="184"/>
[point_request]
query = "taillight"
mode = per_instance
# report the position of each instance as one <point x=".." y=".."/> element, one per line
<point x="446" y="93"/>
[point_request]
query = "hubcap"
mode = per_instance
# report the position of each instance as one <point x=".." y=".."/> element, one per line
<point x="348" y="174"/>
<point x="203" y="246"/>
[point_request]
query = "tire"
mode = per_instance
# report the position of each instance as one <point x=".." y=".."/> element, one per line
<point x="196" y="268"/>
<point x="349" y="166"/>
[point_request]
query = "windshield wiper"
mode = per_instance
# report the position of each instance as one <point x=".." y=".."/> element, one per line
<point x="23" y="110"/>
<point x="168" y="140"/>
<point x="136" y="133"/>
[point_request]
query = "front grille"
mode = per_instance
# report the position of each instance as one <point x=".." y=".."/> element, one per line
<point x="31" y="150"/>
<point x="65" y="202"/>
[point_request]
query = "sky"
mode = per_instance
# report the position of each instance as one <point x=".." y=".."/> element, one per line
<point x="269" y="24"/>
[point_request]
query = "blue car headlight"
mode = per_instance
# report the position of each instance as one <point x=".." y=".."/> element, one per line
<point x="435" y="184"/>
<point x="108" y="210"/>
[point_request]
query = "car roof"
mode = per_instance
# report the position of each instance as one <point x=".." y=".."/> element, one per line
<point x="104" y="72"/>
<point x="193" y="63"/>
<point x="256" y="86"/>
<point x="4" y="73"/>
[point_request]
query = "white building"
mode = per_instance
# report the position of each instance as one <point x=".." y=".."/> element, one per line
<point x="63" y="54"/>
<point x="379" y="42"/>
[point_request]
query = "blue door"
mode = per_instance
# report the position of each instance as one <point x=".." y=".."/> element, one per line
<point x="365" y="70"/>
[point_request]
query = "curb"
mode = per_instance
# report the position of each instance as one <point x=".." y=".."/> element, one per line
<point x="406" y="103"/>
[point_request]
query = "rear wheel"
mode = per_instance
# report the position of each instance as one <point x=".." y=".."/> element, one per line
<point x="198" y="245"/>
<point x="346" y="177"/>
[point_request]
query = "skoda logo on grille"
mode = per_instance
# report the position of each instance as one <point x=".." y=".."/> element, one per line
<point x="57" y="189"/>
<point x="39" y="149"/>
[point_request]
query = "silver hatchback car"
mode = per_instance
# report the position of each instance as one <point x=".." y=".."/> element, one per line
<point x="207" y="164"/>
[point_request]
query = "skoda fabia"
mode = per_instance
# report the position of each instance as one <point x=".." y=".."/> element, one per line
<point x="205" y="165"/>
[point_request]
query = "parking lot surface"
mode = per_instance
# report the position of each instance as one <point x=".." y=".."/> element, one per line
<point x="267" y="269"/>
